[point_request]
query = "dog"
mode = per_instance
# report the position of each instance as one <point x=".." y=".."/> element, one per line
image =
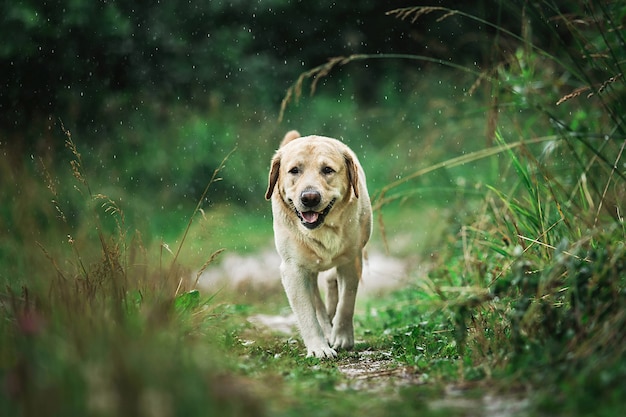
<point x="322" y="219"/>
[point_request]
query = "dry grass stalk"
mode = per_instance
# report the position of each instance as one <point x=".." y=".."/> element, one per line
<point x="77" y="163"/>
<point x="295" y="91"/>
<point x="577" y="92"/>
<point x="382" y="198"/>
<point x="487" y="74"/>
<point x="383" y="231"/>
<point x="89" y="279"/>
<point x="47" y="254"/>
<point x="572" y="95"/>
<point x="203" y="268"/>
<point x="53" y="190"/>
<point x="414" y="13"/>
<point x="606" y="187"/>
<point x="317" y="73"/>
<point x="111" y="207"/>
<point x="214" y="178"/>
<point x="551" y="247"/>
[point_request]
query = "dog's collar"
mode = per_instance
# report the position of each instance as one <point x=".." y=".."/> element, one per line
<point x="320" y="216"/>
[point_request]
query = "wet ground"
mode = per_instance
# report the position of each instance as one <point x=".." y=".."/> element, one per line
<point x="381" y="273"/>
<point x="367" y="370"/>
<point x="378" y="372"/>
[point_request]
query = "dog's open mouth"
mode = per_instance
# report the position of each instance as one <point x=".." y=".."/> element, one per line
<point x="313" y="219"/>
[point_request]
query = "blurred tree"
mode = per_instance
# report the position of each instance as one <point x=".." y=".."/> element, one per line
<point x="81" y="60"/>
<point x="66" y="58"/>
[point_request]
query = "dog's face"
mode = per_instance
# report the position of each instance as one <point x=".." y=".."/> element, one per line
<point x="313" y="175"/>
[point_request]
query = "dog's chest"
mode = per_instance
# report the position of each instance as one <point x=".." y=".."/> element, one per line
<point x="330" y="249"/>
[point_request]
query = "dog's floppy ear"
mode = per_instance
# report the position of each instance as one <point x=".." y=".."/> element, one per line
<point x="353" y="173"/>
<point x="273" y="178"/>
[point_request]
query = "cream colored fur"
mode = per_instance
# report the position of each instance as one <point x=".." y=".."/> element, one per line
<point x="313" y="236"/>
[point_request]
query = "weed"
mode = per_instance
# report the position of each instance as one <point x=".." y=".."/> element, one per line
<point x="555" y="267"/>
<point x="536" y="292"/>
<point x="526" y="286"/>
<point x="103" y="333"/>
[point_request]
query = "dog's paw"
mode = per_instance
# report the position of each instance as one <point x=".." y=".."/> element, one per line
<point x="342" y="340"/>
<point x="322" y="352"/>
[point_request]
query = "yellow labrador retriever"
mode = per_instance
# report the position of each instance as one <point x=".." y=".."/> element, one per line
<point x="322" y="220"/>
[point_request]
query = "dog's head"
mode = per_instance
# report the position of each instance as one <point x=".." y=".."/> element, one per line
<point x="312" y="175"/>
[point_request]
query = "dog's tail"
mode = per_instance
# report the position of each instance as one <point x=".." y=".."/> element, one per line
<point x="291" y="135"/>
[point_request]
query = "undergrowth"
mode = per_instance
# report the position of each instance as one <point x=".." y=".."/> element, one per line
<point x="528" y="291"/>
<point x="532" y="288"/>
<point x="105" y="329"/>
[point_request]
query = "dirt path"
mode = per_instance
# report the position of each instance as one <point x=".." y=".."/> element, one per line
<point x="371" y="370"/>
<point x="381" y="273"/>
<point x="367" y="370"/>
<point x="378" y="372"/>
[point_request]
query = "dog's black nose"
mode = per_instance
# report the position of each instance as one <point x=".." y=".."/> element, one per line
<point x="310" y="198"/>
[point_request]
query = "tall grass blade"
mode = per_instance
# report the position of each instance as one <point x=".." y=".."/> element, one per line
<point x="214" y="178"/>
<point x="381" y="198"/>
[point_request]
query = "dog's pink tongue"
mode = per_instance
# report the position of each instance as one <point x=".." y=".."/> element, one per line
<point x="310" y="216"/>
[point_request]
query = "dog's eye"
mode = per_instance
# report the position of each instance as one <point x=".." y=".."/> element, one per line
<point x="327" y="170"/>
<point x="294" y="170"/>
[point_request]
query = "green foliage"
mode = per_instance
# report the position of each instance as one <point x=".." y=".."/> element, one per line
<point x="526" y="286"/>
<point x="86" y="63"/>
<point x="101" y="332"/>
<point x="532" y="288"/>
<point x="187" y="301"/>
<point x="554" y="266"/>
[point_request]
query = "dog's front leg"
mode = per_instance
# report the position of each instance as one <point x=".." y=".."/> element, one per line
<point x="323" y="318"/>
<point x="300" y="285"/>
<point x="348" y="277"/>
<point x="332" y="295"/>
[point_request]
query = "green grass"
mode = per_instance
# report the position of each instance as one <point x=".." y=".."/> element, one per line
<point x="515" y="203"/>
<point x="101" y="331"/>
